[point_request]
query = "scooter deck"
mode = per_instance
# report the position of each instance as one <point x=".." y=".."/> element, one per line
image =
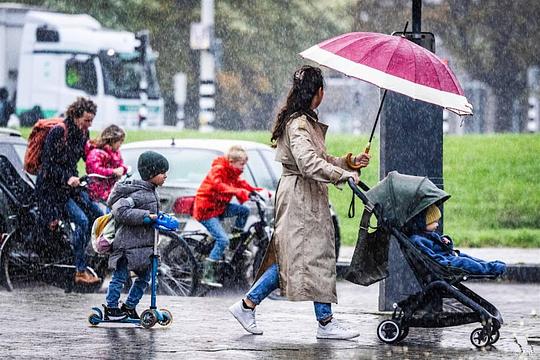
<point x="97" y="318"/>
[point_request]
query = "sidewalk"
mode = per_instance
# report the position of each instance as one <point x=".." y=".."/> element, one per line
<point x="523" y="265"/>
<point x="45" y="323"/>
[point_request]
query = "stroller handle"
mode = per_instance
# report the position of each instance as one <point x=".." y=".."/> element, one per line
<point x="357" y="190"/>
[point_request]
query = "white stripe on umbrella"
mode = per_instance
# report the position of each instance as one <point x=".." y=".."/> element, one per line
<point x="450" y="101"/>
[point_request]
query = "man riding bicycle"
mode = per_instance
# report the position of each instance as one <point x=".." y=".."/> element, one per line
<point x="57" y="180"/>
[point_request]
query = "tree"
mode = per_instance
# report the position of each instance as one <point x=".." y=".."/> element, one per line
<point x="494" y="41"/>
<point x="261" y="45"/>
<point x="261" y="42"/>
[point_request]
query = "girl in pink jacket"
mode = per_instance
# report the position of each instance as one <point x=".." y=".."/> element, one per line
<point x="103" y="158"/>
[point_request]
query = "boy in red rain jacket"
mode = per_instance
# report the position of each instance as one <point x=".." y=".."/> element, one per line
<point x="212" y="203"/>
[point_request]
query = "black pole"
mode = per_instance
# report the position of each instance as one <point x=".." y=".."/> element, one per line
<point x="377" y="118"/>
<point x="411" y="139"/>
<point x="417" y="16"/>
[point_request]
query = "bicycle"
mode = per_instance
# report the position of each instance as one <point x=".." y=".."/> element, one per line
<point x="182" y="254"/>
<point x="242" y="260"/>
<point x="31" y="253"/>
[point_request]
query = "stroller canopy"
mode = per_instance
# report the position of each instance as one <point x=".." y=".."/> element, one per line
<point x="401" y="197"/>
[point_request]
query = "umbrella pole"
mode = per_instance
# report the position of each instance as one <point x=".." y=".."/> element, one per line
<point x="368" y="146"/>
<point x="348" y="158"/>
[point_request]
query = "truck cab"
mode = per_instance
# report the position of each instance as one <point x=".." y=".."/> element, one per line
<point x="60" y="57"/>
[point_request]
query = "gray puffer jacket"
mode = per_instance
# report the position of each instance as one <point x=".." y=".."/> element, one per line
<point x="130" y="202"/>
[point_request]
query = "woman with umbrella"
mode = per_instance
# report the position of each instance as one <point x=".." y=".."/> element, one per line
<point x="301" y="257"/>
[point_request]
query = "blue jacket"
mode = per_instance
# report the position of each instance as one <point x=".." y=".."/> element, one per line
<point x="431" y="244"/>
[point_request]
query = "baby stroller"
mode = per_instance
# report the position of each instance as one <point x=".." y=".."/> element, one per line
<point x="443" y="300"/>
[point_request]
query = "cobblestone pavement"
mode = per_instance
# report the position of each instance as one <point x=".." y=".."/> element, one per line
<point x="47" y="323"/>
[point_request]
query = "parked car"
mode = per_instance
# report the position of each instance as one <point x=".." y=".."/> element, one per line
<point x="191" y="159"/>
<point x="13" y="146"/>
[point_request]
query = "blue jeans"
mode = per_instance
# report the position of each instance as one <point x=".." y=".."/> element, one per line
<point x="81" y="212"/>
<point x="269" y="281"/>
<point x="214" y="227"/>
<point x="119" y="279"/>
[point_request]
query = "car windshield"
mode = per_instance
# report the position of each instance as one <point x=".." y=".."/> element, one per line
<point x="122" y="73"/>
<point x="263" y="168"/>
<point x="185" y="165"/>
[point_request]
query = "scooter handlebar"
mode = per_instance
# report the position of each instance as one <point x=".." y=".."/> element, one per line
<point x="166" y="222"/>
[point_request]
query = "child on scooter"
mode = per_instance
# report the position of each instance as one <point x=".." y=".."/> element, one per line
<point x="135" y="205"/>
<point x="212" y="203"/>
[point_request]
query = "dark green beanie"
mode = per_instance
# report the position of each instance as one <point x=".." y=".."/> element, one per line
<point x="151" y="164"/>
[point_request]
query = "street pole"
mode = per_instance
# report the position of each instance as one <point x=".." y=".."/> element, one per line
<point x="207" y="88"/>
<point x="411" y="143"/>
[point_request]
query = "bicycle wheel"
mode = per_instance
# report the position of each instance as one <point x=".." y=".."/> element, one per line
<point x="20" y="264"/>
<point x="251" y="260"/>
<point x="178" y="269"/>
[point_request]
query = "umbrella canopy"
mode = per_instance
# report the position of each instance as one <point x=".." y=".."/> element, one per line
<point x="393" y="63"/>
<point x="402" y="197"/>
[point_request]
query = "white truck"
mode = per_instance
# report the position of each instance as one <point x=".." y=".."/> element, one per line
<point x="48" y="59"/>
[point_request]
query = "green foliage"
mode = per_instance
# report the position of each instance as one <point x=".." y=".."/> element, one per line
<point x="494" y="41"/>
<point x="261" y="42"/>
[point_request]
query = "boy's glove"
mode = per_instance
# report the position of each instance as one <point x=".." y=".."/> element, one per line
<point x="166" y="222"/>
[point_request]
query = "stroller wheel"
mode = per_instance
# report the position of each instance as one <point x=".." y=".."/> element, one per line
<point x="403" y="334"/>
<point x="389" y="331"/>
<point x="479" y="338"/>
<point x="494" y="337"/>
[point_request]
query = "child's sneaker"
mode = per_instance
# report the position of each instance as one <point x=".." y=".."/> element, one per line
<point x="246" y="318"/>
<point x="334" y="330"/>
<point x="131" y="313"/>
<point x="113" y="313"/>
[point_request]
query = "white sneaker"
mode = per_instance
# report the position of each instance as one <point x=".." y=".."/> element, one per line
<point x="245" y="317"/>
<point x="334" y="330"/>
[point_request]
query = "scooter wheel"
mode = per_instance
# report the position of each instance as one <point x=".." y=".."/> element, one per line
<point x="389" y="331"/>
<point x="148" y="318"/>
<point x="167" y="318"/>
<point x="94" y="319"/>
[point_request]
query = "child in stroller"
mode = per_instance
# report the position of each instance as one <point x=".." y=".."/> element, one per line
<point x="442" y="299"/>
<point x="422" y="233"/>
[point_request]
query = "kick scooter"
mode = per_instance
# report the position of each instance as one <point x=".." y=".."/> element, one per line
<point x="152" y="315"/>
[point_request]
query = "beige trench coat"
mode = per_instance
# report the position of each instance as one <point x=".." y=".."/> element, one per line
<point x="303" y="244"/>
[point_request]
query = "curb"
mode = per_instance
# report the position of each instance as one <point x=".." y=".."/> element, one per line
<point x="518" y="273"/>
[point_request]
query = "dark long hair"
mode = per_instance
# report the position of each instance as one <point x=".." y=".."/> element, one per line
<point x="306" y="82"/>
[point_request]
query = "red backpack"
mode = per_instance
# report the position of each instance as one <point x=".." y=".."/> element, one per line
<point x="32" y="157"/>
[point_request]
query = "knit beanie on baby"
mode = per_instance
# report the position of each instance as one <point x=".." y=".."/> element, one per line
<point x="151" y="164"/>
<point x="432" y="214"/>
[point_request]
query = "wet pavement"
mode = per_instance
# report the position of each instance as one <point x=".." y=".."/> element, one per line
<point x="46" y="323"/>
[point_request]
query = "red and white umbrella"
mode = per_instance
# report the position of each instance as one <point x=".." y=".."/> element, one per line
<point x="393" y="63"/>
